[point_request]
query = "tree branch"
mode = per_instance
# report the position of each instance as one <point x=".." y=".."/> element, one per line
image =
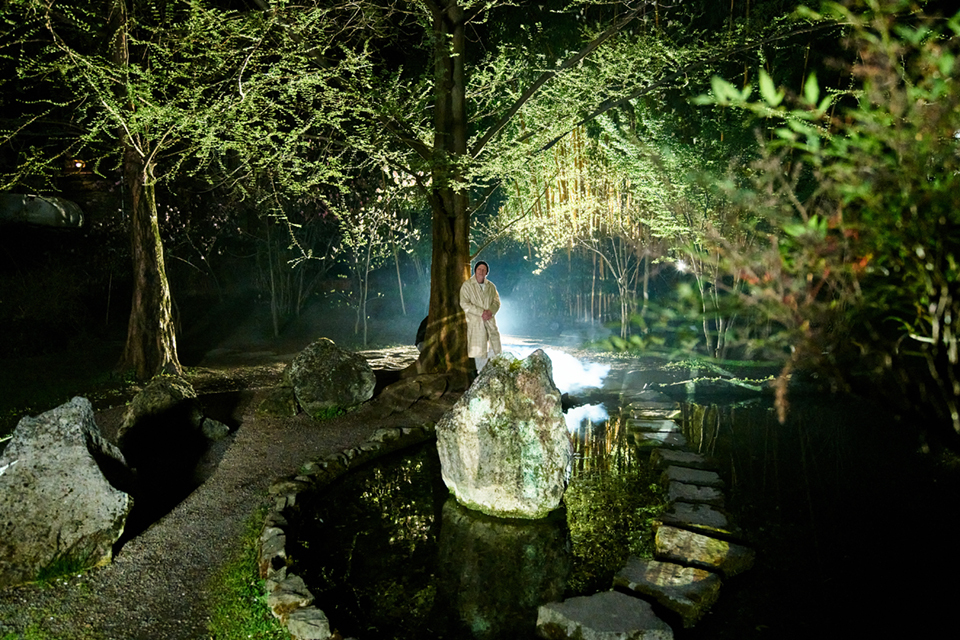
<point x="611" y="31"/>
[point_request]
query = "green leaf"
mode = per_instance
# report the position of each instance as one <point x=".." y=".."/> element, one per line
<point x="811" y="90"/>
<point x="724" y="91"/>
<point x="769" y="91"/>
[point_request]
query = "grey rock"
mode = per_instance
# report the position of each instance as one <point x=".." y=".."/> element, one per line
<point x="664" y="439"/>
<point x="308" y="623"/>
<point x="504" y="448"/>
<point x="699" y="517"/>
<point x="699" y="477"/>
<point x="214" y="430"/>
<point x="278" y="401"/>
<point x="290" y="594"/>
<point x="662" y="458"/>
<point x="686" y="590"/>
<point x="609" y="615"/>
<point x="59" y="495"/>
<point x="696" y="549"/>
<point x="166" y="398"/>
<point x="692" y="493"/>
<point x="327" y="379"/>
<point x="653" y="425"/>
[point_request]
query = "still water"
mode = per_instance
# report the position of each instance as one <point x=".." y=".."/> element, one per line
<point x="854" y="531"/>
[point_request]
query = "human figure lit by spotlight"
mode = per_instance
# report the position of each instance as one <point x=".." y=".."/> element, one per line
<point x="480" y="301"/>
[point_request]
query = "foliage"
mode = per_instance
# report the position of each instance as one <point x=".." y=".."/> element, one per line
<point x="610" y="516"/>
<point x="239" y="609"/>
<point x="857" y="267"/>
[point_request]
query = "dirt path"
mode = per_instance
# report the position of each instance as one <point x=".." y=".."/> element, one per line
<point x="156" y="588"/>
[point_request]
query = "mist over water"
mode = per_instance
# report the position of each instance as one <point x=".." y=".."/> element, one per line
<point x="569" y="373"/>
<point x="592" y="413"/>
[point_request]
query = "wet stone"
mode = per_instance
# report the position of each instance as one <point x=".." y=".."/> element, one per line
<point x="696" y="549"/>
<point x="686" y="590"/>
<point x="653" y="410"/>
<point x="661" y="425"/>
<point x="701" y="517"/>
<point x="699" y="477"/>
<point x="290" y="594"/>
<point x="681" y="491"/>
<point x="309" y="623"/>
<point x="609" y="615"/>
<point x="664" y="439"/>
<point x="662" y="458"/>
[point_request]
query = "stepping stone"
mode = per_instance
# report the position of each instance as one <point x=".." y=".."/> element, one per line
<point x="652" y="409"/>
<point x="683" y="492"/>
<point x="662" y="458"/>
<point x="652" y="425"/>
<point x="699" y="517"/>
<point x="644" y="395"/>
<point x="686" y="590"/>
<point x="609" y="615"/>
<point x="652" y="440"/>
<point x="698" y="550"/>
<point x="699" y="477"/>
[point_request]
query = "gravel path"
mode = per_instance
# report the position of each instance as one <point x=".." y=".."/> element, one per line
<point x="156" y="588"/>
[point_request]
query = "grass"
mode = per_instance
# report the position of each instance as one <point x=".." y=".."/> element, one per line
<point x="61" y="566"/>
<point x="239" y="609"/>
<point x="33" y="632"/>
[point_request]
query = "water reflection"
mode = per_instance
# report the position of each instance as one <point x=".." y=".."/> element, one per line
<point x="840" y="508"/>
<point x="494" y="572"/>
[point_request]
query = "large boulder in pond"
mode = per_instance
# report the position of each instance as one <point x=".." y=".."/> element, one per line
<point x="328" y="380"/>
<point x="59" y="498"/>
<point x="504" y="448"/>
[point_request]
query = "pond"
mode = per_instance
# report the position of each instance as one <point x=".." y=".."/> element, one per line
<point x="852" y="526"/>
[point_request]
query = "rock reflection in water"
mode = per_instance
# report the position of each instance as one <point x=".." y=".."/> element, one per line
<point x="496" y="572"/>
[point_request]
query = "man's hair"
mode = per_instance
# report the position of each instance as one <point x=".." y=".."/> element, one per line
<point x="481" y="262"/>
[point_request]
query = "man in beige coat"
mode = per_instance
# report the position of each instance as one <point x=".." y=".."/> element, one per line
<point x="480" y="301"/>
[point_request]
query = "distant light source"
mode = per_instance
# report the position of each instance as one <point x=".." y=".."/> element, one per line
<point x="681" y="266"/>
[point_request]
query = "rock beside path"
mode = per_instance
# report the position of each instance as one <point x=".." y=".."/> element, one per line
<point x="328" y="380"/>
<point x="59" y="498"/>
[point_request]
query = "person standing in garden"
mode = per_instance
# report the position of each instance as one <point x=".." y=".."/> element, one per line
<point x="480" y="301"/>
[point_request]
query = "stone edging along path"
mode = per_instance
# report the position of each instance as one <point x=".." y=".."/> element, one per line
<point x="692" y="543"/>
<point x="287" y="593"/>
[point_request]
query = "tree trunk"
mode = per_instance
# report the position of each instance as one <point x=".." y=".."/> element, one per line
<point x="151" y="345"/>
<point x="445" y="347"/>
<point x="151" y="338"/>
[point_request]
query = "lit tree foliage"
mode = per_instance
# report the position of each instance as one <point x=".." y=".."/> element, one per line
<point x="859" y="264"/>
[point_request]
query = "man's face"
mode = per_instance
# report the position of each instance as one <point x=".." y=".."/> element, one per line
<point x="481" y="273"/>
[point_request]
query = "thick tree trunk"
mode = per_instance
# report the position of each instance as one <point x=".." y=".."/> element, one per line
<point x="446" y="339"/>
<point x="151" y="338"/>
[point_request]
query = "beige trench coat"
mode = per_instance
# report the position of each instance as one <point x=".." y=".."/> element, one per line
<point x="481" y="335"/>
